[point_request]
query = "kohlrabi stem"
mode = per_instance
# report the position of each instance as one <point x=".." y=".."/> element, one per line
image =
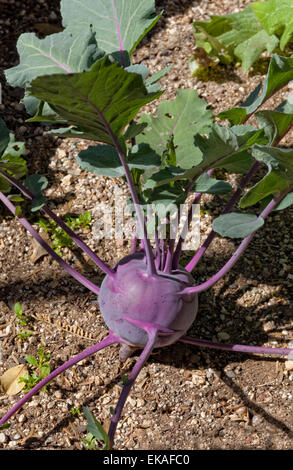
<point x="130" y="381"/>
<point x="178" y="250"/>
<point x="79" y="277"/>
<point x="234" y="199"/>
<point x="45" y="209"/>
<point x="235" y="347"/>
<point x="110" y="339"/>
<point x="238" y="253"/>
<point x="158" y="251"/>
<point x="163" y="253"/>
<point x="151" y="268"/>
<point x="169" y="258"/>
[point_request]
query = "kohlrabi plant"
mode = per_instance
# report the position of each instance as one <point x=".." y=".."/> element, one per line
<point x="83" y="82"/>
<point x="242" y="37"/>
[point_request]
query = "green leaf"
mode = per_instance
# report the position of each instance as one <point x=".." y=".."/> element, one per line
<point x="182" y="118"/>
<point x="14" y="149"/>
<point x="15" y="198"/>
<point x="275" y="123"/>
<point x="165" y="199"/>
<point x="141" y="69"/>
<point x="72" y="133"/>
<point x="17" y="308"/>
<point x="38" y="203"/>
<point x="206" y="184"/>
<point x="250" y="50"/>
<point x="287" y="201"/>
<point x="95" y="428"/>
<point x="164" y="176"/>
<point x="56" y="53"/>
<point x="225" y="147"/>
<point x="152" y="84"/>
<point x="158" y="75"/>
<point x="143" y="157"/>
<point x="236" y="36"/>
<point x="36" y="184"/>
<point x="11" y="161"/>
<point x="277" y="18"/>
<point x="134" y="129"/>
<point x="13" y="164"/>
<point x="32" y="360"/>
<point x="118" y="24"/>
<point x="234" y="225"/>
<point x="280" y="72"/>
<point x="102" y="160"/>
<point x="4" y="136"/>
<point x="17" y="211"/>
<point x="5" y="426"/>
<point x="105" y="97"/>
<point x="279" y="177"/>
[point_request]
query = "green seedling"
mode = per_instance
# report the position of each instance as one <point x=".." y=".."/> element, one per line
<point x="42" y="369"/>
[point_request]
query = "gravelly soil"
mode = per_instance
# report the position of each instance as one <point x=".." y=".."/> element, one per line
<point x="185" y="398"/>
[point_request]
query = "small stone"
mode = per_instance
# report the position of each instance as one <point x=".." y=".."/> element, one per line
<point x="269" y="326"/>
<point x="256" y="420"/>
<point x="289" y="365"/>
<point x="53" y="16"/>
<point x="223" y="336"/>
<point x="106" y="400"/>
<point x="230" y="374"/>
<point x="58" y="394"/>
<point x="22" y="419"/>
<point x="3" y="438"/>
<point x="66" y="181"/>
<point x="140" y="402"/>
<point x="22" y="130"/>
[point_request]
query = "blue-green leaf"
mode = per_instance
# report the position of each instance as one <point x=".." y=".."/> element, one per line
<point x="235" y="225"/>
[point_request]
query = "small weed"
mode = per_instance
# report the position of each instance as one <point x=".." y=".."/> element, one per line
<point x="22" y="320"/>
<point x="74" y="411"/>
<point x="96" y="432"/>
<point x="59" y="238"/>
<point x="42" y="369"/>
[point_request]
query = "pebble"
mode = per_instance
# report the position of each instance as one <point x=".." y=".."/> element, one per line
<point x="230" y="374"/>
<point x="3" y="438"/>
<point x="289" y="365"/>
<point x="223" y="336"/>
<point x="256" y="420"/>
<point x="66" y="181"/>
<point x="140" y="402"/>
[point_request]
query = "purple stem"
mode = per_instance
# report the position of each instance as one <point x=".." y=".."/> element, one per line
<point x="158" y="252"/>
<point x="131" y="379"/>
<point x="163" y="253"/>
<point x="236" y="196"/>
<point x="238" y="253"/>
<point x="177" y="253"/>
<point x="235" y="347"/>
<point x="110" y="339"/>
<point x="107" y="270"/>
<point x="168" y="263"/>
<point x="79" y="277"/>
